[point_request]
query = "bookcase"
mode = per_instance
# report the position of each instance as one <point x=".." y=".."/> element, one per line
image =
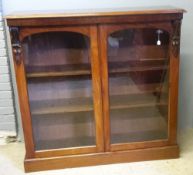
<point x="97" y="87"/>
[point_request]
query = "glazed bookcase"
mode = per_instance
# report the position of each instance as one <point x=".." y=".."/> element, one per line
<point x="97" y="88"/>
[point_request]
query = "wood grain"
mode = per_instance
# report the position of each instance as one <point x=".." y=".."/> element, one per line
<point x="142" y="61"/>
<point x="96" y="12"/>
<point x="27" y="31"/>
<point x="97" y="95"/>
<point x="94" y="20"/>
<point x="174" y="85"/>
<point x="24" y="108"/>
<point x="105" y="85"/>
<point x="101" y="158"/>
<point x="65" y="151"/>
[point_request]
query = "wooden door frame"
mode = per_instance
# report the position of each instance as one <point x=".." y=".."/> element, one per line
<point x="91" y="32"/>
<point x="104" y="31"/>
<point x="174" y="53"/>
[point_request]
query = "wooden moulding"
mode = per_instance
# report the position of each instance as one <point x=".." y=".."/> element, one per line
<point x="96" y="12"/>
<point x="40" y="164"/>
<point x="66" y="21"/>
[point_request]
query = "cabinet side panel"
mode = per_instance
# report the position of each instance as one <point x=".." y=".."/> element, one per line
<point x="23" y="99"/>
<point x="174" y="80"/>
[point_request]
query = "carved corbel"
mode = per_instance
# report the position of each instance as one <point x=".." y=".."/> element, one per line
<point x="176" y="37"/>
<point x="16" y="45"/>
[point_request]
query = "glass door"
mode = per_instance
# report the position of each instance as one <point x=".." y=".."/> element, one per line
<point x="138" y="86"/>
<point x="62" y="95"/>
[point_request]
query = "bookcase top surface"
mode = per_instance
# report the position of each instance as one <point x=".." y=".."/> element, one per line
<point x="95" y="12"/>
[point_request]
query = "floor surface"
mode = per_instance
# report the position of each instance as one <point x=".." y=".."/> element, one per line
<point x="11" y="163"/>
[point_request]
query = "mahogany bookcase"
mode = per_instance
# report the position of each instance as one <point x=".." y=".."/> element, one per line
<point x="97" y="87"/>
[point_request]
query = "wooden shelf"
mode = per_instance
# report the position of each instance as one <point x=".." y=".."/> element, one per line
<point x="61" y="106"/>
<point x="135" y="66"/>
<point x="134" y="101"/>
<point x="84" y="69"/>
<point x="64" y="143"/>
<point x="153" y="59"/>
<point x="139" y="136"/>
<point x="125" y="88"/>
<point x="137" y="69"/>
<point x="85" y="104"/>
<point x="137" y="62"/>
<point x="57" y="71"/>
<point x="127" y="60"/>
<point x="138" y="126"/>
<point x="136" y="113"/>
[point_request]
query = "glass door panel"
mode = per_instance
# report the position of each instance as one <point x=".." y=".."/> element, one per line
<point x="59" y="81"/>
<point x="138" y="65"/>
